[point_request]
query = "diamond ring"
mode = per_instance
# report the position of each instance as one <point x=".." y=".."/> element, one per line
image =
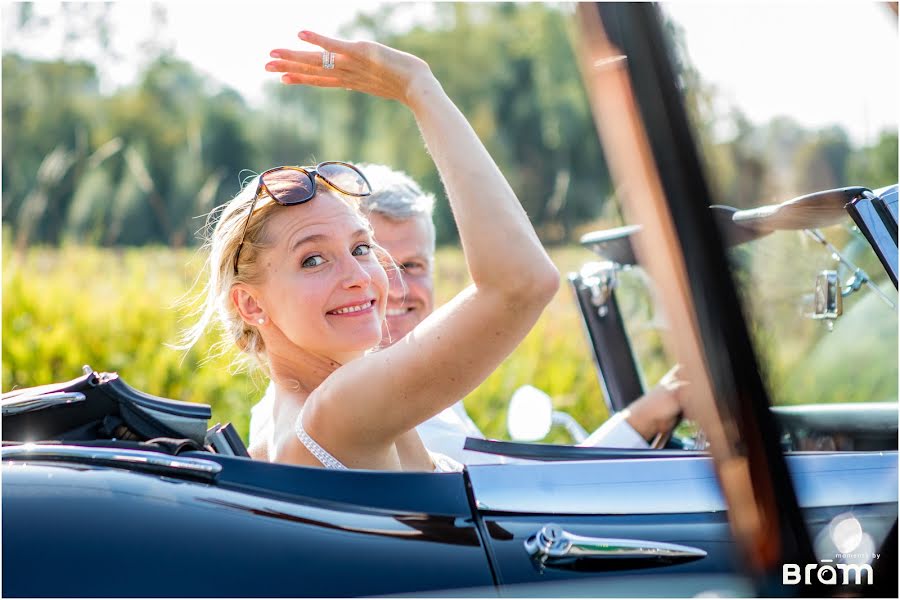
<point x="327" y="59"/>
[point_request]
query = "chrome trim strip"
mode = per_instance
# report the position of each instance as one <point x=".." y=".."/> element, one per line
<point x="114" y="457"/>
<point x="553" y="544"/>
<point x="25" y="404"/>
<point x="672" y="485"/>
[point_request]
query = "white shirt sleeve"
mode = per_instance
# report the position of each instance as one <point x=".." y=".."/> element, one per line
<point x="616" y="432"/>
<point x="446" y="433"/>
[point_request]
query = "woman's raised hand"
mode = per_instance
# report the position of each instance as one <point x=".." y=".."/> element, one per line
<point x="363" y="66"/>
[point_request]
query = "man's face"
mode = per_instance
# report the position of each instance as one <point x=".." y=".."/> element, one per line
<point x="409" y="243"/>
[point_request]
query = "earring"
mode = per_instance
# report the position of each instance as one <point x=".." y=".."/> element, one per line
<point x="261" y="320"/>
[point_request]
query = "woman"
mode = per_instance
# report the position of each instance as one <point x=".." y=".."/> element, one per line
<point x="297" y="281"/>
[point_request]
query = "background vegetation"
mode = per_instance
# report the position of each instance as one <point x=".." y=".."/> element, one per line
<point x="101" y="191"/>
<point x="111" y="309"/>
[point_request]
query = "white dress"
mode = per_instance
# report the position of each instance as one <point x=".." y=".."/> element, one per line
<point x="442" y="463"/>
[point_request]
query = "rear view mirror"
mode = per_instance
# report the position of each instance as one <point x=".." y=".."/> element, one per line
<point x="828" y="299"/>
<point x="531" y="415"/>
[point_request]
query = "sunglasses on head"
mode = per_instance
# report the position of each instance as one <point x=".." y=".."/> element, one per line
<point x="295" y="185"/>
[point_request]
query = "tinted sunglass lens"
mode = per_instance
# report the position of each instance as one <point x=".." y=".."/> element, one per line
<point x="288" y="186"/>
<point x="345" y="178"/>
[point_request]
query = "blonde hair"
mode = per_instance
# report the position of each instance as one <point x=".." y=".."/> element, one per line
<point x="222" y="234"/>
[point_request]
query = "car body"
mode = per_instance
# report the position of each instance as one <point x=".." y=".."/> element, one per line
<point x="120" y="518"/>
<point x="110" y="492"/>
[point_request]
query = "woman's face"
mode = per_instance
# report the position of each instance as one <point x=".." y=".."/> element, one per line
<point x="323" y="287"/>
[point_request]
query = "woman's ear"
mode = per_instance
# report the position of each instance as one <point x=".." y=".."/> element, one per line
<point x="245" y="301"/>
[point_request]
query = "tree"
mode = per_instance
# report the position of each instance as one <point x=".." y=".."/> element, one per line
<point x="876" y="165"/>
<point x="821" y="162"/>
<point x="45" y="116"/>
<point x="524" y="97"/>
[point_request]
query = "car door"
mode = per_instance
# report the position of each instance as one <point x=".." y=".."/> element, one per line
<point x="597" y="519"/>
<point x="546" y="522"/>
<point x="106" y="521"/>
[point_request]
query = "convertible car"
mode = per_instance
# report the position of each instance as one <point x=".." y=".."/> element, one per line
<point x="108" y="491"/>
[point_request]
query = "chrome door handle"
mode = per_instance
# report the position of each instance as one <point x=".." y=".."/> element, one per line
<point x="554" y="545"/>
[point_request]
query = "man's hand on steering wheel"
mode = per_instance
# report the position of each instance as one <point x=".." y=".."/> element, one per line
<point x="655" y="414"/>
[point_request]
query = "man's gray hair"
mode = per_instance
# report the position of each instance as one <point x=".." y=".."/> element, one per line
<point x="397" y="196"/>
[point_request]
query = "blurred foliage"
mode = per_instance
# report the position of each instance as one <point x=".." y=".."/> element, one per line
<point x="175" y="143"/>
<point x="115" y="309"/>
<point x="111" y="309"/>
<point x="133" y="167"/>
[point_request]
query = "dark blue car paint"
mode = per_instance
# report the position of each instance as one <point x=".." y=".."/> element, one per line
<point x="111" y="532"/>
<point x="260" y="529"/>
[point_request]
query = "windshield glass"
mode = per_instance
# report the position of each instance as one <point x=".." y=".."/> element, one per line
<point x="764" y="148"/>
<point x="850" y="359"/>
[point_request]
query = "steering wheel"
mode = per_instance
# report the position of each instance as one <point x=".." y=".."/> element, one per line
<point x="662" y="438"/>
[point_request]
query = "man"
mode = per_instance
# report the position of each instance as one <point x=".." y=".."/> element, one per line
<point x="401" y="215"/>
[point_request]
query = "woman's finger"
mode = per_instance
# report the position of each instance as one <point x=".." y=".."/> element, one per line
<point x="286" y="66"/>
<point x="314" y="80"/>
<point x="328" y="43"/>
<point x="311" y="58"/>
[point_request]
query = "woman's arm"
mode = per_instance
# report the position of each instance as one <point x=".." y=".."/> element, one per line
<point x="373" y="400"/>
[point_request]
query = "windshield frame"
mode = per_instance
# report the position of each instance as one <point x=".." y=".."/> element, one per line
<point x="873" y="215"/>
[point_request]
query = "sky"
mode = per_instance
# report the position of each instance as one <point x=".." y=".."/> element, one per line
<point x="819" y="62"/>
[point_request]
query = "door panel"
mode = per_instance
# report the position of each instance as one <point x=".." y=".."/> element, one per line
<point x="647" y="502"/>
<point x="104" y="532"/>
<point x="507" y="535"/>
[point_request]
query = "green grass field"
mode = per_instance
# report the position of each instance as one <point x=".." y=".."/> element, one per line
<point x="115" y="309"/>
